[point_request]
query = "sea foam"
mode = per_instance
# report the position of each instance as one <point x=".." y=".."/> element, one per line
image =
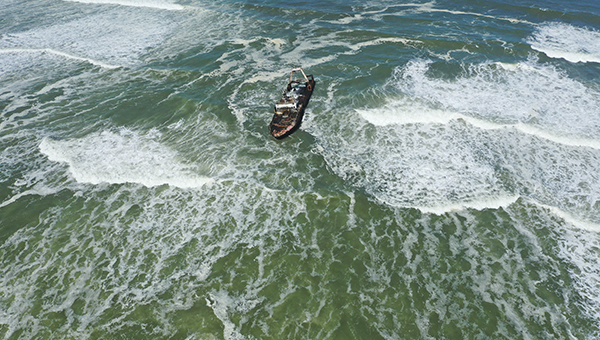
<point x="167" y="5"/>
<point x="59" y="53"/>
<point x="526" y="93"/>
<point x="479" y="140"/>
<point x="560" y="40"/>
<point x="108" y="39"/>
<point x="122" y="157"/>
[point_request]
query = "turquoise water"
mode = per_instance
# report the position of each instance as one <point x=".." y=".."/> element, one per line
<point x="444" y="183"/>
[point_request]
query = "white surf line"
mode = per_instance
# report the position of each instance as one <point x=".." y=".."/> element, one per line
<point x="428" y="7"/>
<point x="13" y="199"/>
<point x="573" y="57"/>
<point x="59" y="53"/>
<point x="380" y="41"/>
<point x="568" y="217"/>
<point x="496" y="202"/>
<point x="479" y="204"/>
<point x="565" y="140"/>
<point x="534" y="131"/>
<point x="132" y="164"/>
<point x="485" y="125"/>
<point x="134" y="3"/>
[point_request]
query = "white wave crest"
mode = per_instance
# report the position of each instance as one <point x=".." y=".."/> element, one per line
<point x="123" y="157"/>
<point x="479" y="204"/>
<point x="401" y="112"/>
<point x="59" y="53"/>
<point x="559" y="40"/>
<point x="533" y="98"/>
<point x="157" y="4"/>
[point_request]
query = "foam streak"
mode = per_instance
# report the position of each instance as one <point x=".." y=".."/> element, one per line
<point x="59" y="53"/>
<point x="134" y="3"/>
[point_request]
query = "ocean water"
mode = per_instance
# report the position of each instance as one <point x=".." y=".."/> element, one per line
<point x="445" y="182"/>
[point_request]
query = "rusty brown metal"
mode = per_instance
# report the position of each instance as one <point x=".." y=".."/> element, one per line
<point x="289" y="111"/>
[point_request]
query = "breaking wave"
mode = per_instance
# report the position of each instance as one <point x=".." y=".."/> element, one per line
<point x="122" y="157"/>
<point x="561" y="40"/>
<point x="158" y="4"/>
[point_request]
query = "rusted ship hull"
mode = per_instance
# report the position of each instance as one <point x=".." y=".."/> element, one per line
<point x="289" y="111"/>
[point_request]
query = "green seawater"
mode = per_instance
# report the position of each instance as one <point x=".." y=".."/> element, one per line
<point x="443" y="185"/>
